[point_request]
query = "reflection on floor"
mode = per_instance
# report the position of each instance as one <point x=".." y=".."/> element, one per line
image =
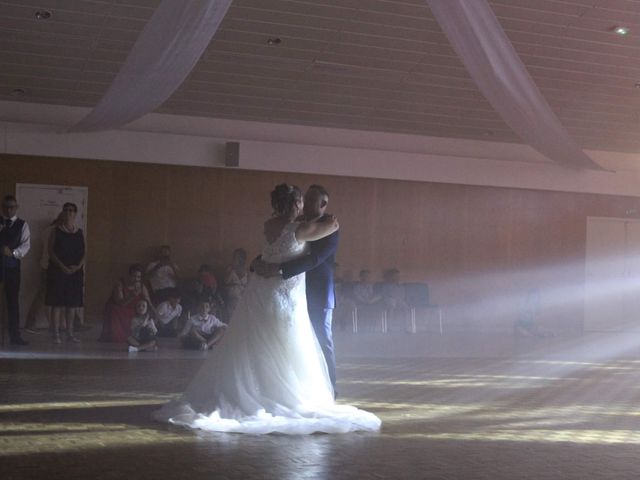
<point x="538" y="409"/>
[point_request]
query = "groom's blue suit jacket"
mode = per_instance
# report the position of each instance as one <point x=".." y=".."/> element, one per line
<point x="319" y="267"/>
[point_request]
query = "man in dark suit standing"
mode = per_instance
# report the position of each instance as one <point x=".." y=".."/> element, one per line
<point x="15" y="241"/>
<point x="318" y="265"/>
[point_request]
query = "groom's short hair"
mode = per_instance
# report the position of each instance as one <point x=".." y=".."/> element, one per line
<point x="320" y="189"/>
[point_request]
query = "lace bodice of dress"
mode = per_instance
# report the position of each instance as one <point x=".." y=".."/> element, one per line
<point x="285" y="248"/>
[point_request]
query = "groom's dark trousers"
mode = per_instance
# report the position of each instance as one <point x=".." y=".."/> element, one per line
<point x="321" y="298"/>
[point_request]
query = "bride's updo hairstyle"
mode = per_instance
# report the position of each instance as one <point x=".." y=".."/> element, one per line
<point x="284" y="198"/>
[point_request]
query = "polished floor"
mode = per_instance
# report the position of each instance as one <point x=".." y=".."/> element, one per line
<point x="453" y="407"/>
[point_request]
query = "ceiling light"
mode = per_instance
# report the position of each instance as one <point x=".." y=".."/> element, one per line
<point x="620" y="30"/>
<point x="18" y="92"/>
<point x="42" y="15"/>
<point x="274" y="41"/>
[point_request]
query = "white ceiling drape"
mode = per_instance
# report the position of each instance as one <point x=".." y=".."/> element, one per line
<point x="179" y="32"/>
<point x="165" y="53"/>
<point x="479" y="40"/>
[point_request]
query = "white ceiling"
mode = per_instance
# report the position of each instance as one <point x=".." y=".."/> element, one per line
<point x="360" y="64"/>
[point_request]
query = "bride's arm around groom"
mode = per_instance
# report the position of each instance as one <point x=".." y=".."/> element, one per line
<point x="322" y="235"/>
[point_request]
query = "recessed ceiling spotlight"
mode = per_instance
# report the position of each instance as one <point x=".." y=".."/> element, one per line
<point x="42" y="15"/>
<point x="637" y="84"/>
<point x="620" y="30"/>
<point x="18" y="92"/>
<point x="274" y="41"/>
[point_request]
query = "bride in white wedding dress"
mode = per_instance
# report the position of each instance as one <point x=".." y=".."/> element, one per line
<point x="269" y="374"/>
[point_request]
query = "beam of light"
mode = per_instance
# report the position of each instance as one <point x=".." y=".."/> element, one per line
<point x="67" y="427"/>
<point x="104" y="354"/>
<point x="28" y="407"/>
<point x="560" y="286"/>
<point x="473" y="412"/>
<point x="94" y="437"/>
<point x="510" y="377"/>
<point x="446" y="383"/>
<point x="484" y="414"/>
<point x="503" y="423"/>
<point x="452" y="376"/>
<point x="582" y="365"/>
<point x="483" y="400"/>
<point x="587" y="436"/>
<point x="390" y="410"/>
<point x="565" y="389"/>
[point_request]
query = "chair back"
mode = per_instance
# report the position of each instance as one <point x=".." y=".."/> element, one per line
<point x="417" y="294"/>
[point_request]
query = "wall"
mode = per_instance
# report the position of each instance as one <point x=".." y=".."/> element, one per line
<point x="39" y="129"/>
<point x="480" y="248"/>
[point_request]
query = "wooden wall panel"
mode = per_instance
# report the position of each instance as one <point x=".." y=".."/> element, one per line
<point x="480" y="248"/>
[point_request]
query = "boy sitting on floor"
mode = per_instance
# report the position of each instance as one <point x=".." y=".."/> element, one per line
<point x="168" y="313"/>
<point x="202" y="330"/>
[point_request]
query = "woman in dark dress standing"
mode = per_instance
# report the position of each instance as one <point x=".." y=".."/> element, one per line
<point x="65" y="275"/>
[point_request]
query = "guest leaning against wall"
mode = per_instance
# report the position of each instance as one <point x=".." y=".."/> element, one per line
<point x="39" y="300"/>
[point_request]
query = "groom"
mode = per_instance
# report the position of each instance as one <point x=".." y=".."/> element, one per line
<point x="318" y="265"/>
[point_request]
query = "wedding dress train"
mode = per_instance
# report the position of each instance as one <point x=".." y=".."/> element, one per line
<point x="268" y="373"/>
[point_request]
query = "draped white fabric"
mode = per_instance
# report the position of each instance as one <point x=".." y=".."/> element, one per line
<point x="165" y="53"/>
<point x="478" y="39"/>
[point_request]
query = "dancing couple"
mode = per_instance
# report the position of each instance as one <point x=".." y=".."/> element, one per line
<point x="275" y="369"/>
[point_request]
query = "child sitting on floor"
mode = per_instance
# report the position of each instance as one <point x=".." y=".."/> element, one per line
<point x="203" y="329"/>
<point x="143" y="330"/>
<point x="168" y="313"/>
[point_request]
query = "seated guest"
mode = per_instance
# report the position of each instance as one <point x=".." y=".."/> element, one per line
<point x="363" y="292"/>
<point x="204" y="285"/>
<point x="202" y="330"/>
<point x="394" y="300"/>
<point x="527" y="322"/>
<point x="368" y="302"/>
<point x="344" y="306"/>
<point x="121" y="307"/>
<point x="162" y="275"/>
<point x="343" y="282"/>
<point x="168" y="313"/>
<point x="235" y="279"/>
<point x="392" y="291"/>
<point x="143" y="330"/>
